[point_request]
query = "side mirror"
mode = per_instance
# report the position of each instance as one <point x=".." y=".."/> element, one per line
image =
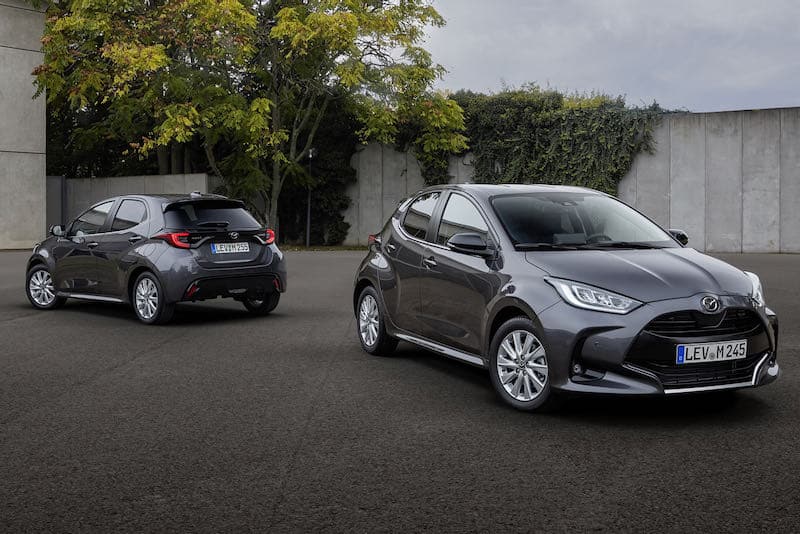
<point x="469" y="243"/>
<point x="57" y="230"/>
<point x="680" y="236"/>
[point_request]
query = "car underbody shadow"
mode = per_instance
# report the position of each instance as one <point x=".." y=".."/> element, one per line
<point x="185" y="313"/>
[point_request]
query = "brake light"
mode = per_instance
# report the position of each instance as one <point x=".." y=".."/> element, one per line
<point x="373" y="239"/>
<point x="269" y="236"/>
<point x="176" y="239"/>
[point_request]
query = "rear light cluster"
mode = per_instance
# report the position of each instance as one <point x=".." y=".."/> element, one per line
<point x="267" y="237"/>
<point x="176" y="239"/>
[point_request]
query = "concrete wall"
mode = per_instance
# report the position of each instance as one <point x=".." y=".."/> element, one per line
<point x="22" y="127"/>
<point x="80" y="193"/>
<point x="730" y="179"/>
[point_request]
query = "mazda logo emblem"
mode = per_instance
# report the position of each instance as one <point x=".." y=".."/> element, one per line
<point x="710" y="304"/>
<point x="234" y="235"/>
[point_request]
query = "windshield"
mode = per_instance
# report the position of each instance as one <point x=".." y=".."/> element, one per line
<point x="569" y="220"/>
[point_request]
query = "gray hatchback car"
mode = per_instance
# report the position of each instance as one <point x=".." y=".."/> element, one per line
<point x="561" y="290"/>
<point x="156" y="250"/>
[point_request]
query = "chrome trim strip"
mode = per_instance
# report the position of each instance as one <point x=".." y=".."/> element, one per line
<point x="84" y="296"/>
<point x="758" y="367"/>
<point x="708" y="388"/>
<point x="442" y="349"/>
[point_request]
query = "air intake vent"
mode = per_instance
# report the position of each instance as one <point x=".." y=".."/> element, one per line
<point x="695" y="324"/>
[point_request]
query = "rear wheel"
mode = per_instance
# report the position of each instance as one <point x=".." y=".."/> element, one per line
<point x="263" y="305"/>
<point x="148" y="300"/>
<point x="371" y="327"/>
<point x="41" y="290"/>
<point x="519" y="367"/>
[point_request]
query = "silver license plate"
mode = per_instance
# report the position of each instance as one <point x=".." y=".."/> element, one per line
<point x="711" y="352"/>
<point x="229" y="248"/>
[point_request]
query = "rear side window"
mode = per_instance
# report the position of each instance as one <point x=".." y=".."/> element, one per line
<point x="419" y="215"/>
<point x="459" y="216"/>
<point x="129" y="214"/>
<point x="90" y="221"/>
<point x="210" y="214"/>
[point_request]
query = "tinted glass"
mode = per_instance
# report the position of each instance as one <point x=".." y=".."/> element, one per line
<point x="419" y="215"/>
<point x="575" y="218"/>
<point x="91" y="220"/>
<point x="201" y="214"/>
<point x="460" y="215"/>
<point x="129" y="214"/>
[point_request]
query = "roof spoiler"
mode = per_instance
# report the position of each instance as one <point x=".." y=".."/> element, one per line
<point x="218" y="200"/>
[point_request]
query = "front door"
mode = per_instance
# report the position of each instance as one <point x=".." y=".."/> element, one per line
<point x="76" y="263"/>
<point x="456" y="288"/>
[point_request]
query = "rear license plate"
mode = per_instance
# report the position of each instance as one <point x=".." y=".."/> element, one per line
<point x="229" y="248"/>
<point x="711" y="352"/>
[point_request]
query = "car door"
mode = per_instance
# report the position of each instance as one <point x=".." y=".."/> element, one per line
<point x="404" y="247"/>
<point x="129" y="225"/>
<point x="456" y="287"/>
<point x="76" y="263"/>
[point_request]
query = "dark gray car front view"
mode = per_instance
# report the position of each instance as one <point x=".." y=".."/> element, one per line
<point x="155" y="250"/>
<point x="561" y="290"/>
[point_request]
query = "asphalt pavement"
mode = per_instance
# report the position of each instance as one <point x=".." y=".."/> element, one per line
<point x="224" y="422"/>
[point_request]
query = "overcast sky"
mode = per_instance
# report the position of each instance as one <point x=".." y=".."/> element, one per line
<point x="701" y="55"/>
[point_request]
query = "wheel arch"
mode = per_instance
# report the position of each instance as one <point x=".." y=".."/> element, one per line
<point x="133" y="275"/>
<point x="502" y="312"/>
<point x="359" y="287"/>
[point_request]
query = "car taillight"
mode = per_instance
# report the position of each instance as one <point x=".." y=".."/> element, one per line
<point x="176" y="239"/>
<point x="269" y="236"/>
<point x="374" y="239"/>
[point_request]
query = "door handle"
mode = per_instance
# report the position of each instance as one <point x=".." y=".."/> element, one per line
<point x="92" y="244"/>
<point x="390" y="247"/>
<point x="429" y="263"/>
<point x="134" y="239"/>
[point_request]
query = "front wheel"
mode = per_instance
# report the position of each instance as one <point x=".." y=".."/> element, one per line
<point x="371" y="328"/>
<point x="149" y="300"/>
<point x="264" y="305"/>
<point x="40" y="289"/>
<point x="519" y="367"/>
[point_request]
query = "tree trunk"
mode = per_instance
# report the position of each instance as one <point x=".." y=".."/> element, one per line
<point x="275" y="193"/>
<point x="176" y="158"/>
<point x="163" y="159"/>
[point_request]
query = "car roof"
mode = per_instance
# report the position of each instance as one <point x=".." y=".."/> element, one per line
<point x="170" y="197"/>
<point x="490" y="190"/>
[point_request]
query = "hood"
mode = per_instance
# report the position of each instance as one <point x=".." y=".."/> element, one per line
<point x="645" y="275"/>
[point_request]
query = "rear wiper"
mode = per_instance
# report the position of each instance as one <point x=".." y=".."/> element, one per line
<point x="544" y="246"/>
<point x="624" y="244"/>
<point x="215" y="224"/>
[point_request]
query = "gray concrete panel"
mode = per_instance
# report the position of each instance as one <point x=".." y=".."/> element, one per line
<point x="414" y="179"/>
<point x="20" y="25"/>
<point x="22" y="199"/>
<point x="395" y="176"/>
<point x="790" y="180"/>
<point x="626" y="188"/>
<point x="23" y="117"/>
<point x="652" y="177"/>
<point x="724" y="182"/>
<point x="687" y="188"/>
<point x="760" y="181"/>
<point x="370" y="176"/>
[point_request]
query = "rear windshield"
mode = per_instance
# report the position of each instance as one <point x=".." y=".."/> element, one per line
<point x="209" y="214"/>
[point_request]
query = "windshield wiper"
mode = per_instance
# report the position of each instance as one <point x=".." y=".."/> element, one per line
<point x="544" y="246"/>
<point x="215" y="224"/>
<point x="624" y="244"/>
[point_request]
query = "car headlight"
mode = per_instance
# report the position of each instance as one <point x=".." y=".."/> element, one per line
<point x="592" y="298"/>
<point x="756" y="292"/>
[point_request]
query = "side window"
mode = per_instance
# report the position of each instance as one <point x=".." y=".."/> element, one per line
<point x="419" y="215"/>
<point x="129" y="214"/>
<point x="90" y="221"/>
<point x="460" y="215"/>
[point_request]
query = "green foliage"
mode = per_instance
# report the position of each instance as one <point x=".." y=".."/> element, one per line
<point x="534" y="135"/>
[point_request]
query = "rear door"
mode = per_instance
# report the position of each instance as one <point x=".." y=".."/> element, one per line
<point x="405" y="248"/>
<point x="128" y="227"/>
<point x="455" y="287"/>
<point x="220" y="233"/>
<point x="76" y="263"/>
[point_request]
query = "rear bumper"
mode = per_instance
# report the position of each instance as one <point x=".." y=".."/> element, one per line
<point x="601" y="353"/>
<point x="232" y="287"/>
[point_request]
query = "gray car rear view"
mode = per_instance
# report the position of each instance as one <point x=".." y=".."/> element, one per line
<point x="561" y="290"/>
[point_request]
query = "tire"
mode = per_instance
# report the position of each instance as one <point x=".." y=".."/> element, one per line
<point x="519" y="368"/>
<point x="370" y="325"/>
<point x="148" y="301"/>
<point x="41" y="290"/>
<point x="262" y="306"/>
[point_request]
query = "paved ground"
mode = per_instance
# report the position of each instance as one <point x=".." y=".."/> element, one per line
<point x="223" y="422"/>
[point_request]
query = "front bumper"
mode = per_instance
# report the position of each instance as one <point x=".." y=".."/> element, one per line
<point x="596" y="352"/>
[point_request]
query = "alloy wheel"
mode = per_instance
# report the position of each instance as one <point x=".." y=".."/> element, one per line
<point x="41" y="288"/>
<point x="146" y="298"/>
<point x="368" y="320"/>
<point x="522" y="365"/>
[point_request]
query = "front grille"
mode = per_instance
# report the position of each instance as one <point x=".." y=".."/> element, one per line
<point x="683" y="324"/>
<point x="701" y="374"/>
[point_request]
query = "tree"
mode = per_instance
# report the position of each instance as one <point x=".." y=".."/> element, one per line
<point x="251" y="80"/>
